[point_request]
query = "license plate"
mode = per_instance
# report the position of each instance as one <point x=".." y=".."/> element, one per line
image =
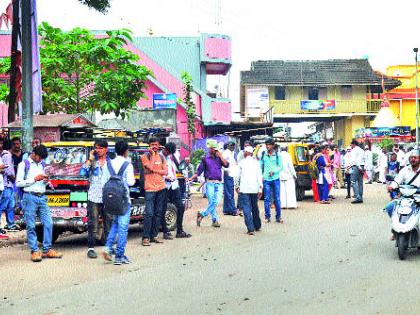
<point x="137" y="210"/>
<point x="58" y="200"/>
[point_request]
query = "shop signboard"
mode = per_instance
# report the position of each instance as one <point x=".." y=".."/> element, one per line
<point x="164" y="101"/>
<point x="317" y="105"/>
<point x="375" y="132"/>
<point x="257" y="101"/>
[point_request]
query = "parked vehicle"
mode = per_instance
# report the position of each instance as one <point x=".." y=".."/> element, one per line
<point x="68" y="198"/>
<point x="299" y="153"/>
<point x="405" y="220"/>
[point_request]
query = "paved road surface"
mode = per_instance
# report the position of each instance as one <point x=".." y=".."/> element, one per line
<point x="332" y="259"/>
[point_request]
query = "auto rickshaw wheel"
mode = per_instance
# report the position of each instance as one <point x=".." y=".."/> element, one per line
<point x="300" y="193"/>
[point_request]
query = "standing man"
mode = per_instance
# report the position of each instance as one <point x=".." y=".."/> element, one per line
<point x="400" y="155"/>
<point x="173" y="193"/>
<point x="336" y="164"/>
<point x="119" y="227"/>
<point x="241" y="155"/>
<point x="94" y="168"/>
<point x="250" y="188"/>
<point x="357" y="170"/>
<point x="287" y="181"/>
<point x="7" y="199"/>
<point x="155" y="169"/>
<point x="16" y="151"/>
<point x="211" y="165"/>
<point x="271" y="165"/>
<point x="369" y="164"/>
<point x="32" y="179"/>
<point x="347" y="167"/>
<point x="229" y="207"/>
<point x="382" y="165"/>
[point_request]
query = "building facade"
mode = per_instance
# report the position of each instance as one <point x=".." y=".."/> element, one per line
<point x="340" y="93"/>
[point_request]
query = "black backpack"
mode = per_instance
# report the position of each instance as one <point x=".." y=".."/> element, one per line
<point x="114" y="193"/>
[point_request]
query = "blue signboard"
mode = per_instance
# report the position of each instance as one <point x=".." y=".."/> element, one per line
<point x="164" y="101"/>
<point x="383" y="132"/>
<point x="316" y="105"/>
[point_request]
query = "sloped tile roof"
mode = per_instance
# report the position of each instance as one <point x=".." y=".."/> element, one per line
<point x="314" y="73"/>
<point x="52" y="120"/>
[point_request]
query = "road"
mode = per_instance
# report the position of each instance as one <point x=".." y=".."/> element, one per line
<point x="325" y="259"/>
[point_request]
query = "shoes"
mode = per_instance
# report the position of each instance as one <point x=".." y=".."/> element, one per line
<point x="121" y="261"/>
<point x="199" y="218"/>
<point x="52" y="254"/>
<point x="369" y="182"/>
<point x="183" y="235"/>
<point x="267" y="220"/>
<point x="357" y="201"/>
<point x="347" y="197"/>
<point x="91" y="253"/>
<point x="36" y="256"/>
<point x="257" y="230"/>
<point x="167" y="236"/>
<point x="280" y="221"/>
<point x="216" y="224"/>
<point x="251" y="233"/>
<point x="145" y="242"/>
<point x="106" y="254"/>
<point x="156" y="240"/>
<point x="325" y="202"/>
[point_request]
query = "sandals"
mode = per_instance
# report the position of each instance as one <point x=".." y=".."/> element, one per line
<point x="183" y="235"/>
<point x="145" y="242"/>
<point x="156" y="240"/>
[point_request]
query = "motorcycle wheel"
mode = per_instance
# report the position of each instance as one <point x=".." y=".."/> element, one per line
<point x="402" y="243"/>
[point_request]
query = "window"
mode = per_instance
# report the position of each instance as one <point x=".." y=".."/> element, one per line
<point x="280" y="93"/>
<point x="346" y="92"/>
<point x="313" y="93"/>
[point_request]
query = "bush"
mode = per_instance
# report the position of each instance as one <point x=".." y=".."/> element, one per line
<point x="196" y="157"/>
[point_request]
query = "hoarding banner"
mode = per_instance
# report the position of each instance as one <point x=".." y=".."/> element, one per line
<point x="164" y="101"/>
<point x="257" y="101"/>
<point x="315" y="105"/>
<point x="383" y="132"/>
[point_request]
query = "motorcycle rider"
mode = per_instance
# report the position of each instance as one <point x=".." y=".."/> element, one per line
<point x="408" y="175"/>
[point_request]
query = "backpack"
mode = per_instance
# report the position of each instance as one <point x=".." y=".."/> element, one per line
<point x="114" y="194"/>
<point x="313" y="168"/>
<point x="262" y="160"/>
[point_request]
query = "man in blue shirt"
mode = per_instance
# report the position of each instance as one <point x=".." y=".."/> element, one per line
<point x="271" y="165"/>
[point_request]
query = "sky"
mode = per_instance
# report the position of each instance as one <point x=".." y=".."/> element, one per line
<point x="384" y="31"/>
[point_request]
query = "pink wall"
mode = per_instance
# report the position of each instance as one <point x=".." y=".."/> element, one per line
<point x="217" y="48"/>
<point x="150" y="89"/>
<point x="221" y="111"/>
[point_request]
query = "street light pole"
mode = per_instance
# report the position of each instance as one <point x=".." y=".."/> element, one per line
<point x="417" y="101"/>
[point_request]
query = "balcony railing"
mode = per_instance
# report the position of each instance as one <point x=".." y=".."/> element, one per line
<point x="341" y="106"/>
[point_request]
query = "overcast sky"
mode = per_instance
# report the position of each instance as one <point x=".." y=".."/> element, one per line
<point x="384" y="31"/>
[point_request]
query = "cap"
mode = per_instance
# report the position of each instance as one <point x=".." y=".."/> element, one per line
<point x="415" y="152"/>
<point x="212" y="144"/>
<point x="249" y="149"/>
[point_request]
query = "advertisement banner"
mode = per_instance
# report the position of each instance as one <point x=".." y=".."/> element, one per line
<point x="164" y="101"/>
<point x="375" y="132"/>
<point x="257" y="101"/>
<point x="316" y="105"/>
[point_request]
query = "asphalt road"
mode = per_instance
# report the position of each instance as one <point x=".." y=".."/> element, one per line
<point x="325" y="259"/>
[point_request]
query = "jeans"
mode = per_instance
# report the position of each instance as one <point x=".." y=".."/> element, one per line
<point x="119" y="231"/>
<point x="229" y="195"/>
<point x="214" y="195"/>
<point x="348" y="184"/>
<point x="155" y="204"/>
<point x="7" y="204"/>
<point x="357" y="182"/>
<point x="32" y="206"/>
<point x="94" y="210"/>
<point x="272" y="190"/>
<point x="251" y="211"/>
<point x="174" y="197"/>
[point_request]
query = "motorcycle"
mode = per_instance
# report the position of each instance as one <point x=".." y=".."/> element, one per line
<point x="405" y="220"/>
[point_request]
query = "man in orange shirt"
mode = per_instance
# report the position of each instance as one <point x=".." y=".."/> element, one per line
<point x="155" y="169"/>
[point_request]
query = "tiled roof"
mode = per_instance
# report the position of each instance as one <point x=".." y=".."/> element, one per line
<point x="52" y="120"/>
<point x="314" y="72"/>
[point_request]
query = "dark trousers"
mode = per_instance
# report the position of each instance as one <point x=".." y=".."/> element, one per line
<point x="229" y="195"/>
<point x="155" y="203"/>
<point x="94" y="210"/>
<point x="251" y="212"/>
<point x="174" y="197"/>
<point x="348" y="184"/>
<point x="182" y="187"/>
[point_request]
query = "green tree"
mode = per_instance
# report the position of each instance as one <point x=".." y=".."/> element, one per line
<point x="84" y="73"/>
<point x="188" y="90"/>
<point x="4" y="88"/>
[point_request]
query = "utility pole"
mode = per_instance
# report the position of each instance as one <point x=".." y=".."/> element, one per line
<point x="27" y="96"/>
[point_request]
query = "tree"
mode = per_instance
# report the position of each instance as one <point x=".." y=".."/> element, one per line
<point x="81" y="72"/>
<point x="188" y="90"/>
<point x="99" y="5"/>
<point x="4" y="89"/>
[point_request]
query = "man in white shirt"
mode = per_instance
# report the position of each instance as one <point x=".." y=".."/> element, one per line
<point x="250" y="185"/>
<point x="357" y="170"/>
<point x="369" y="164"/>
<point x="229" y="207"/>
<point x="400" y="155"/>
<point x="119" y="227"/>
<point x="32" y="178"/>
<point x="173" y="192"/>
